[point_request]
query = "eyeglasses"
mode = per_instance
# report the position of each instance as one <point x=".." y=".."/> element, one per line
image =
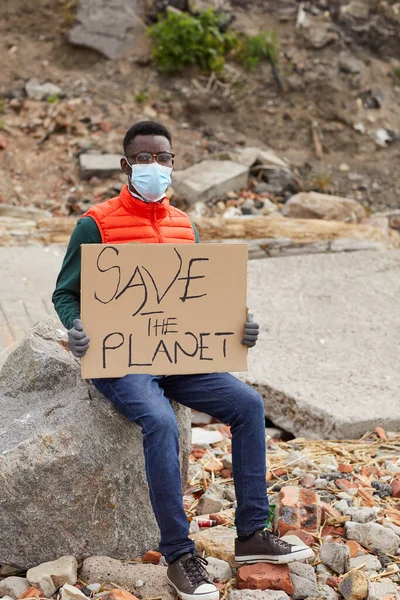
<point x="146" y="158"/>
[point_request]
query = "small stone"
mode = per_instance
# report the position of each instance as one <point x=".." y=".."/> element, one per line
<point x="218" y="569"/>
<point x="308" y="481"/>
<point x="99" y="165"/>
<point x="382" y="590"/>
<point x="313" y="205"/>
<point x="50" y="576"/>
<point x="105" y="126"/>
<point x="372" y="563"/>
<point x="344" y="467"/>
<point x="305" y="537"/>
<point x="70" y="592"/>
<point x="119" y="595"/>
<point x="304" y="580"/>
<point x="152" y="557"/>
<point x="354" y="586"/>
<point x="323" y="573"/>
<point x="263" y="576"/>
<point x="13" y="586"/>
<point x="321" y="484"/>
<point x="373" y="536"/>
<point x="342" y="506"/>
<point x="205" y="437"/>
<point x="344" y="168"/>
<point x="349" y="64"/>
<point x="211" y="501"/>
<point x="361" y="514"/>
<point x="325" y="592"/>
<point x="257" y="595"/>
<point x="32" y="592"/>
<point x="336" y="556"/>
<point x="37" y="91"/>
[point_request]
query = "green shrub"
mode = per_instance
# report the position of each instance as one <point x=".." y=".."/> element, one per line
<point x="253" y="50"/>
<point x="142" y="97"/>
<point x="397" y="72"/>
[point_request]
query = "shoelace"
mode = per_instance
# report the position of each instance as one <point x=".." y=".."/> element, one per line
<point x="274" y="539"/>
<point x="193" y="567"/>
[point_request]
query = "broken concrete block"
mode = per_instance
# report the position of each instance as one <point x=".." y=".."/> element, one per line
<point x="257" y="595"/>
<point x="361" y="514"/>
<point x="13" y="586"/>
<point x="381" y="590"/>
<point x="336" y="556"/>
<point x="70" y="592"/>
<point x="304" y="581"/>
<point x="218" y="569"/>
<point x="216" y="541"/>
<point x="99" y="165"/>
<point x="50" y="576"/>
<point x="210" y="179"/>
<point x="373" y="536"/>
<point x="251" y="155"/>
<point x="354" y="586"/>
<point x="40" y="91"/>
<point x="372" y="563"/>
<point x="108" y="26"/>
<point x="212" y="500"/>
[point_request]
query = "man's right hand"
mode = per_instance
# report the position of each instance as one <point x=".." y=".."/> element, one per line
<point x="78" y="341"/>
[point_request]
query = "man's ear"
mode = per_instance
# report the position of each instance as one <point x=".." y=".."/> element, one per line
<point x="125" y="167"/>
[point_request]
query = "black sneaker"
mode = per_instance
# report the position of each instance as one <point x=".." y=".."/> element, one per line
<point x="190" y="579"/>
<point x="264" y="546"/>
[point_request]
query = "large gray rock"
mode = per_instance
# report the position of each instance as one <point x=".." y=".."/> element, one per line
<point x="304" y="581"/>
<point x="373" y="536"/>
<point x="325" y="352"/>
<point x="313" y="205"/>
<point x="210" y="179"/>
<point x="108" y="26"/>
<point x="73" y="465"/>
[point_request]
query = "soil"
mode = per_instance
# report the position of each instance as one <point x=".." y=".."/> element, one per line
<point x="207" y="116"/>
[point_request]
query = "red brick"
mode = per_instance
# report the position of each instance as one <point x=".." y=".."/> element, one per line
<point x="119" y="595"/>
<point x="355" y="548"/>
<point x="105" y="126"/>
<point x="152" y="556"/>
<point x="307" y="538"/>
<point x="344" y="468"/>
<point x="198" y="452"/>
<point x="263" y="576"/>
<point x="333" y="531"/>
<point x="32" y="593"/>
<point x="226" y="473"/>
<point x="333" y="581"/>
<point x="329" y="512"/>
<point x="345" y="485"/>
<point x="298" y="509"/>
<point x="396" y="487"/>
<point x="279" y="472"/>
<point x="3" y="142"/>
<point x="381" y="433"/>
<point x="367" y="471"/>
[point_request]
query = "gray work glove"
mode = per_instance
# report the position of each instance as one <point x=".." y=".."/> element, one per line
<point x="78" y="341"/>
<point x="251" y="331"/>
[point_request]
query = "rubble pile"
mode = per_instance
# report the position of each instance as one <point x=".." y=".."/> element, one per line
<point x="340" y="498"/>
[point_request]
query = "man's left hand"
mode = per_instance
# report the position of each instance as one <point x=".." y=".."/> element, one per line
<point x="251" y="331"/>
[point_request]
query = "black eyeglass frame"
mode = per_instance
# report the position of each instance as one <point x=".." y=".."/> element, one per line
<point x="134" y="156"/>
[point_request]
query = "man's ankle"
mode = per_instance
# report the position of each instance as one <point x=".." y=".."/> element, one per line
<point x="245" y="538"/>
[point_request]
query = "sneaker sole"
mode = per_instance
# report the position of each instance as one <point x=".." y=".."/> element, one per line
<point x="207" y="596"/>
<point x="279" y="560"/>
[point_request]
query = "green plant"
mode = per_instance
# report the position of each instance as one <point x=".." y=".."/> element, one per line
<point x="397" y="72"/>
<point x="142" y="97"/>
<point x="252" y="50"/>
<point x="181" y="39"/>
<point x="2" y="110"/>
<point x="53" y="99"/>
<point x="269" y="523"/>
<point x="68" y="12"/>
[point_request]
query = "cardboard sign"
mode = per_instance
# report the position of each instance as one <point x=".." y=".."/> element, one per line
<point x="163" y="308"/>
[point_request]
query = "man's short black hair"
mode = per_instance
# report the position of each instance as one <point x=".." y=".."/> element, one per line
<point x="145" y="128"/>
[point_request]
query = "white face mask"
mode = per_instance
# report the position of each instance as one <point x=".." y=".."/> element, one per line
<point x="151" y="181"/>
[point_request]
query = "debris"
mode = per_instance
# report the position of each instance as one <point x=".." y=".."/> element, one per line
<point x="263" y="576"/>
<point x="70" y="592"/>
<point x="212" y="500"/>
<point x="251" y="155"/>
<point x="355" y="9"/>
<point x="218" y="569"/>
<point x="382" y="590"/>
<point x="349" y="64"/>
<point x="354" y="586"/>
<point x="50" y="576"/>
<point x="396" y="487"/>
<point x="373" y="536"/>
<point x="361" y="514"/>
<point x="210" y="179"/>
<point x="336" y="556"/>
<point x="298" y="509"/>
<point x="13" y="586"/>
<point x="204" y="436"/>
<point x="111" y="29"/>
<point x="257" y="595"/>
<point x="369" y="562"/>
<point x="152" y="557"/>
<point x="304" y="581"/>
<point x="37" y="91"/>
<point x="99" y="165"/>
<point x="313" y="205"/>
<point x="216" y="541"/>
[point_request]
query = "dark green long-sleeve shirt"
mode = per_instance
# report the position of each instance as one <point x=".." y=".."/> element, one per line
<point x="66" y="296"/>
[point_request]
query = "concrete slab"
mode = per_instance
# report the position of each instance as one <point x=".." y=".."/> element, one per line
<point x="209" y="179"/>
<point x="29" y="276"/>
<point x="99" y="165"/>
<point x="327" y="363"/>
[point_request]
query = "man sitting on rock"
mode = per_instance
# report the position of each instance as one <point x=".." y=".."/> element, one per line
<point x="142" y="214"/>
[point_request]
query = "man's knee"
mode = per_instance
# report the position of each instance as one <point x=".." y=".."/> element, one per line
<point x="161" y="422"/>
<point x="254" y="404"/>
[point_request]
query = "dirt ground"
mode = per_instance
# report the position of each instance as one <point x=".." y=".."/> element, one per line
<point x="41" y="141"/>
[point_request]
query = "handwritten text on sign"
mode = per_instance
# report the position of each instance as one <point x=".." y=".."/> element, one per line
<point x="163" y="308"/>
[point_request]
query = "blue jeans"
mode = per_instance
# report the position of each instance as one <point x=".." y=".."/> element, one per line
<point x="144" y="399"/>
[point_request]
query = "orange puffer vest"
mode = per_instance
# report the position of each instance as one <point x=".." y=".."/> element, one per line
<point x="127" y="219"/>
